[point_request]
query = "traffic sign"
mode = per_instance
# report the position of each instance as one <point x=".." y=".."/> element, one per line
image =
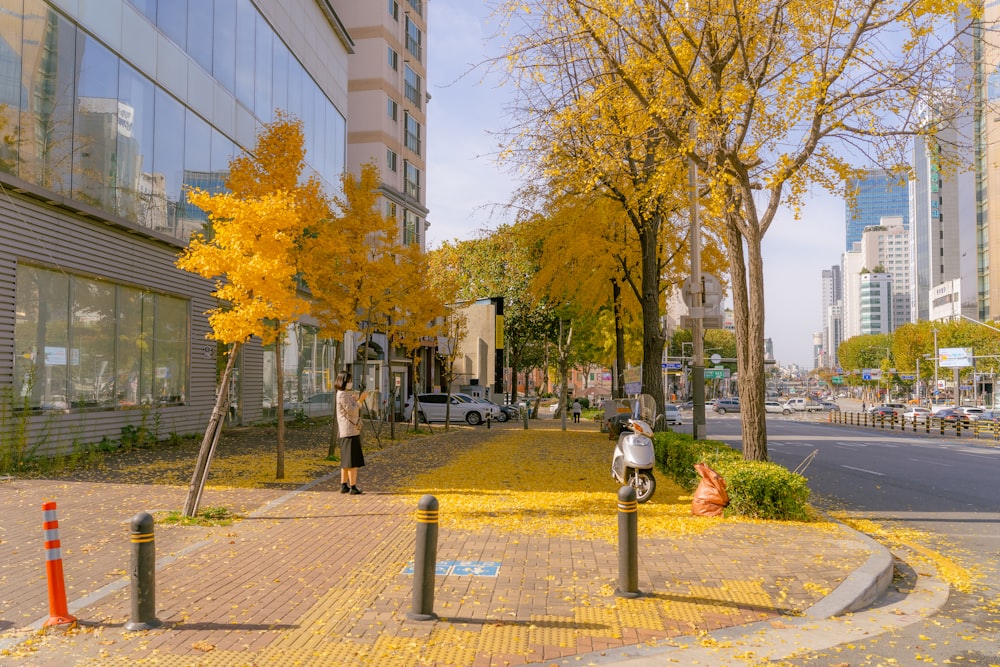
<point x="716" y="373"/>
<point x="672" y="366"/>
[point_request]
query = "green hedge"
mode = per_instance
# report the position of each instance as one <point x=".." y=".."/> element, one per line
<point x="756" y="489"/>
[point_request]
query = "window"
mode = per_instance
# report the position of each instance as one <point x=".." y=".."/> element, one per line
<point x="390" y="159"/>
<point x="412" y="85"/>
<point x="414" y="39"/>
<point x="394" y="10"/>
<point x="392" y="109"/>
<point x="412" y="133"/>
<point x="393" y="59"/>
<point x="418" y="6"/>
<point x="411" y="179"/>
<point x="91" y="343"/>
<point x="390" y="210"/>
<point x="411" y="228"/>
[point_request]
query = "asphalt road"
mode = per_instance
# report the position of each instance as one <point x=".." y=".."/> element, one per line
<point x="947" y="488"/>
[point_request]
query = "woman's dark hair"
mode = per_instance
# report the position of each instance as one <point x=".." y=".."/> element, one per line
<point x="343" y="377"/>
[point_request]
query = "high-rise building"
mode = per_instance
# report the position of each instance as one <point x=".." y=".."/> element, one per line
<point x="110" y="110"/>
<point x="876" y="194"/>
<point x="387" y="97"/>
<point x="833" y="294"/>
<point x="876" y="303"/>
<point x="943" y="220"/>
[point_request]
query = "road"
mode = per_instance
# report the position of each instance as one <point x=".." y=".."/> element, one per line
<point x="946" y="488"/>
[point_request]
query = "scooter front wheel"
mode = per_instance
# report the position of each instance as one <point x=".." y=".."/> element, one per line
<point x="643" y="482"/>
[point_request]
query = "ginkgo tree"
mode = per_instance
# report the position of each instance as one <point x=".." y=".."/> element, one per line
<point x="359" y="269"/>
<point x="252" y="253"/>
<point x="767" y="98"/>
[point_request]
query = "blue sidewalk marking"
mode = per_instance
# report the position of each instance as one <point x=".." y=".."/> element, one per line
<point x="463" y="568"/>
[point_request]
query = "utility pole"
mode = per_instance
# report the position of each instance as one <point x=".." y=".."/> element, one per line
<point x="697" y="304"/>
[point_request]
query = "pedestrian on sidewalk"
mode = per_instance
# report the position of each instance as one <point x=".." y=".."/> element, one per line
<point x="577" y="409"/>
<point x="349" y="427"/>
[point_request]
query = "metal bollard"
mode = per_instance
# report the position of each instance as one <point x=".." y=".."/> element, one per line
<point x="58" y="610"/>
<point x="628" y="544"/>
<point x="143" y="610"/>
<point x="527" y="408"/>
<point x="425" y="560"/>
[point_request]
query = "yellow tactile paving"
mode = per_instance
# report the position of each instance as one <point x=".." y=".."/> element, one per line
<point x="552" y="630"/>
<point x="501" y="638"/>
<point x="598" y="621"/>
<point x="640" y="613"/>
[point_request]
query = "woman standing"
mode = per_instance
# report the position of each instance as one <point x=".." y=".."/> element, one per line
<point x="349" y="427"/>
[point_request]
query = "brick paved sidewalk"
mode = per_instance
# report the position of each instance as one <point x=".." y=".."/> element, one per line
<point x="319" y="579"/>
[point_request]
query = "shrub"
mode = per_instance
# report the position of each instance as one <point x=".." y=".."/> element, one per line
<point x="759" y="490"/>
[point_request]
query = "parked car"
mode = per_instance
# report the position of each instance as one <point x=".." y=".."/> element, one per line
<point x="951" y="416"/>
<point x="672" y="414"/>
<point x="432" y="408"/>
<point x="971" y="412"/>
<point x="776" y="407"/>
<point x="490" y="409"/>
<point x="829" y="406"/>
<point x="888" y="409"/>
<point x="501" y="413"/>
<point x="317" y="405"/>
<point x="686" y="405"/>
<point x="725" y="405"/>
<point x="916" y="414"/>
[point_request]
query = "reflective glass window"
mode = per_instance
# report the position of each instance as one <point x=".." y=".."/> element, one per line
<point x="223" y="151"/>
<point x="137" y="190"/>
<point x="339" y="142"/>
<point x="92" y="344"/>
<point x="197" y="170"/>
<point x="170" y="350"/>
<point x="393" y="59"/>
<point x="246" y="18"/>
<point x="320" y="147"/>
<point x="10" y="82"/>
<point x="95" y="142"/>
<point x="171" y="18"/>
<point x="411" y="85"/>
<point x="41" y="338"/>
<point x="200" y="29"/>
<point x="411" y="179"/>
<point x="147" y="7"/>
<point x="224" y="44"/>
<point x="168" y="164"/>
<point x="49" y="57"/>
<point x="263" y="63"/>
<point x="307" y="111"/>
<point x="134" y="353"/>
<point x="279" y="75"/>
<point x="412" y="134"/>
<point x="414" y="40"/>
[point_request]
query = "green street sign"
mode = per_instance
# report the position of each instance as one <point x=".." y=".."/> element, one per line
<point x="837" y="379"/>
<point x="715" y="373"/>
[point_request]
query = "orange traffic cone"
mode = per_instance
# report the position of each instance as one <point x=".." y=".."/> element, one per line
<point x="58" y="611"/>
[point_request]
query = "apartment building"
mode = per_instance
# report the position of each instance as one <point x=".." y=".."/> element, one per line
<point x="109" y="110"/>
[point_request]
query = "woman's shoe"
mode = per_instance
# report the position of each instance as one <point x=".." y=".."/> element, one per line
<point x="344" y="488"/>
<point x="355" y="491"/>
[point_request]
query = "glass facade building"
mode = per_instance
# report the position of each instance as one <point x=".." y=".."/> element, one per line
<point x="109" y="112"/>
<point x="877" y="194"/>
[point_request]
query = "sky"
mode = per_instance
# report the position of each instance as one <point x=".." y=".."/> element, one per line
<point x="466" y="189"/>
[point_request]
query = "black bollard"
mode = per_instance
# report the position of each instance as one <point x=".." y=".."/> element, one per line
<point x="425" y="560"/>
<point x="527" y="408"/>
<point x="143" y="616"/>
<point x="628" y="544"/>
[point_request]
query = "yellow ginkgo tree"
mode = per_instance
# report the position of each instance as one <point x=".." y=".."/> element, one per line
<point x="252" y="252"/>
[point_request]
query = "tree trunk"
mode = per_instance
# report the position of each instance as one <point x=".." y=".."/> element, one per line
<point x="616" y="298"/>
<point x="748" y="315"/>
<point x="652" y="327"/>
<point x="279" y="355"/>
<point x="211" y="439"/>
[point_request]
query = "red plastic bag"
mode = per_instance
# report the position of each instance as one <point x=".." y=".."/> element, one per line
<point x="710" y="498"/>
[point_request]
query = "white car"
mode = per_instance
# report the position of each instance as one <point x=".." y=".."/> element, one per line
<point x="776" y="407"/>
<point x="971" y="412"/>
<point x="917" y="415"/>
<point x="432" y="408"/>
<point x="672" y="414"/>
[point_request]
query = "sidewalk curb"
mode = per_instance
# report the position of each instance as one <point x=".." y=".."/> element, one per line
<point x="862" y="587"/>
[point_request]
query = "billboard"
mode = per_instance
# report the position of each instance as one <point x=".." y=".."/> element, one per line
<point x="955" y="357"/>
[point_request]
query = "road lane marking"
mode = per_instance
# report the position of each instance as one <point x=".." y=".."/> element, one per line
<point x="870" y="472"/>
<point x="936" y="463"/>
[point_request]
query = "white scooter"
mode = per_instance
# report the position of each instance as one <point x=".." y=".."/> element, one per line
<point x="633" y="461"/>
